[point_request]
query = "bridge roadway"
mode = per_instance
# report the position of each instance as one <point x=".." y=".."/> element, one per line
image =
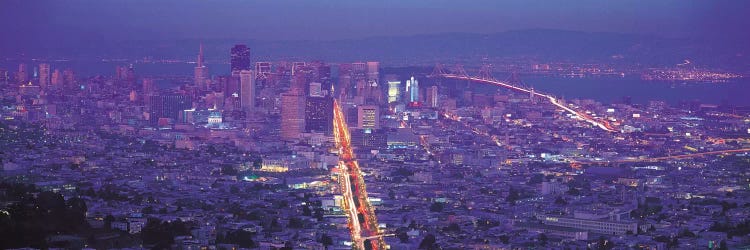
<point x="602" y="124"/>
<point x="363" y="224"/>
<point x="665" y="158"/>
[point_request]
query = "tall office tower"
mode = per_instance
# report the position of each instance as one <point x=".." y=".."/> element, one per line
<point x="413" y="89"/>
<point x="345" y="87"/>
<point x="394" y="90"/>
<point x="57" y="78"/>
<point x="432" y="96"/>
<point x="319" y="114"/>
<point x="240" y="58"/>
<point x="297" y="67"/>
<point x="262" y="70"/>
<point x="201" y="71"/>
<point x="247" y="90"/>
<point x="23" y="75"/>
<point x="44" y="75"/>
<point x="130" y="75"/>
<point x="292" y="114"/>
<point x="368" y="117"/>
<point x="369" y="138"/>
<point x="69" y="78"/>
<point x="232" y="87"/>
<point x="120" y="72"/>
<point x="168" y="106"/>
<point x="373" y="73"/>
<point x="359" y="70"/>
<point x="316" y="89"/>
<point x="148" y="87"/>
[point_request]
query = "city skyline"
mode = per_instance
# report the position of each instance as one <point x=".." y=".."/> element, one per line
<point x="409" y="125"/>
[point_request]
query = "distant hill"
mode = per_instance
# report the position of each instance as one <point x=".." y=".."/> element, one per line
<point x="537" y="43"/>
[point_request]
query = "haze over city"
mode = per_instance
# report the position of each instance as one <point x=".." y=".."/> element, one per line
<point x="374" y="125"/>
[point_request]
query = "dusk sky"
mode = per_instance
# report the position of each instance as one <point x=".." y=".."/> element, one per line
<point x="329" y="20"/>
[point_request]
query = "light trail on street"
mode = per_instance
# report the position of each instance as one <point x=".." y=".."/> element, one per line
<point x="356" y="201"/>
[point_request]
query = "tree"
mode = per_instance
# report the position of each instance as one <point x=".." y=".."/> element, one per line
<point x="402" y="236"/>
<point x="574" y="191"/>
<point x="723" y="245"/>
<point x="505" y="239"/>
<point x="512" y="196"/>
<point x="560" y="201"/>
<point x="326" y="240"/>
<point x="428" y="242"/>
<point x="604" y="244"/>
<point x="306" y="211"/>
<point x="295" y="222"/>
<point x="242" y="238"/>
<point x="437" y="207"/>
<point x="543" y="239"/>
<point x="453" y="227"/>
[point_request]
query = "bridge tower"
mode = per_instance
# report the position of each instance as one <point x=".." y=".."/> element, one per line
<point x="514" y="78"/>
<point x="485" y="72"/>
<point x="437" y="71"/>
<point x="532" y="96"/>
<point x="460" y="71"/>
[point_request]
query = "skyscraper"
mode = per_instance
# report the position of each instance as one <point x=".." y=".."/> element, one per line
<point x="297" y="67"/>
<point x="316" y="89"/>
<point x="247" y="90"/>
<point x="168" y="106"/>
<point x="373" y="74"/>
<point x="201" y="71"/>
<point x="319" y="114"/>
<point x="69" y="78"/>
<point x="432" y="96"/>
<point x="262" y="70"/>
<point x="413" y="86"/>
<point x="393" y="90"/>
<point x="57" y="78"/>
<point x="368" y="116"/>
<point x="23" y="74"/>
<point x="148" y="87"/>
<point x="240" y="58"/>
<point x="44" y="75"/>
<point x="292" y="114"/>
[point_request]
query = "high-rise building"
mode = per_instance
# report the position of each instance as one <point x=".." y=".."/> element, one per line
<point x="69" y="78"/>
<point x="413" y="86"/>
<point x="57" y="78"/>
<point x="23" y="74"/>
<point x="292" y="114"/>
<point x="44" y="75"/>
<point x="168" y="106"/>
<point x="369" y="138"/>
<point x="240" y="58"/>
<point x="148" y="87"/>
<point x="373" y="74"/>
<point x="316" y="89"/>
<point x="297" y="67"/>
<point x="393" y="90"/>
<point x="247" y="90"/>
<point x="432" y="96"/>
<point x="319" y="114"/>
<point x="262" y="70"/>
<point x="368" y="116"/>
<point x="201" y="71"/>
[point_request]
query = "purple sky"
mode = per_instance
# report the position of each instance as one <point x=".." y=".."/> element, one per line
<point x="327" y="20"/>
